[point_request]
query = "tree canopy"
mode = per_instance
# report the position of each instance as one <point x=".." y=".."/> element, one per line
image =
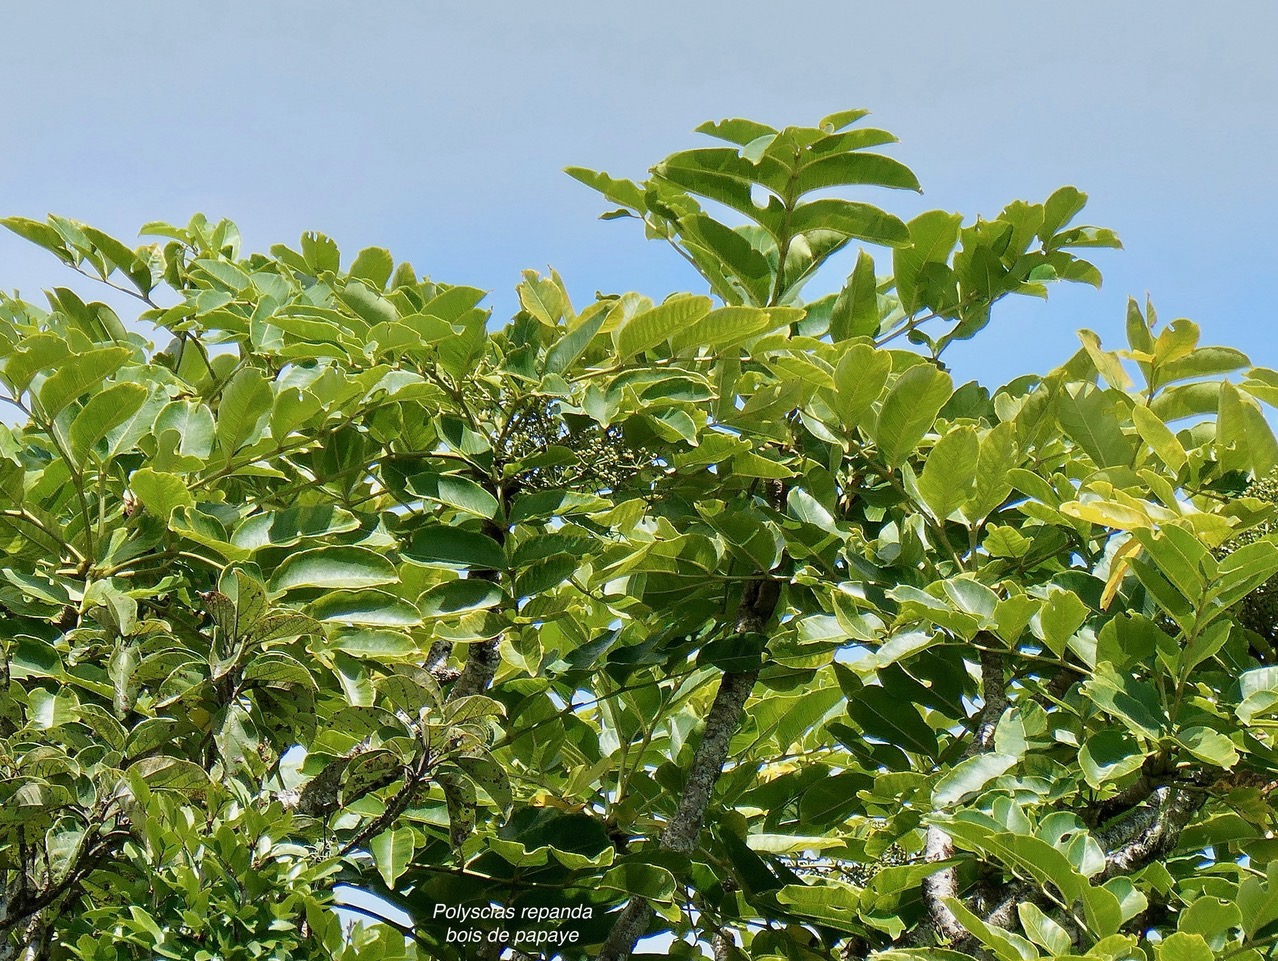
<point x="729" y="617"/>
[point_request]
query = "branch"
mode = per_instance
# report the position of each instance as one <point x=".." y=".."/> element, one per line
<point x="124" y="290"/>
<point x="1148" y="834"/>
<point x="757" y="606"/>
<point x="723" y="944"/>
<point x="481" y="666"/>
<point x="484" y="657"/>
<point x="939" y="846"/>
<point x="1152" y="832"/>
<point x="321" y="795"/>
<point x="396" y="806"/>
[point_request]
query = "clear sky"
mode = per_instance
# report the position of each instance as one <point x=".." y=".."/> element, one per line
<point x="439" y="130"/>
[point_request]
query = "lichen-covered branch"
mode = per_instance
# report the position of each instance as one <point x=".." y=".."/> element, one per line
<point x="680" y="835"/>
<point x="1152" y="832"/>
<point x="938" y="845"/>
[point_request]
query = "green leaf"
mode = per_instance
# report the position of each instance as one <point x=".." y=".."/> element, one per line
<point x="569" y="348"/>
<point x="859" y="378"/>
<point x="320" y="253"/>
<point x="460" y="597"/>
<point x="931" y="237"/>
<point x="542" y="298"/>
<point x="357" y="687"/>
<point x="1108" y="365"/>
<point x="1200" y="362"/>
<point x="40" y="234"/>
<point x="1210" y="747"/>
<point x="969" y="777"/>
<point x="1258" y="901"/>
<point x="1109" y="755"/>
<point x="171" y="774"/>
<point x="46" y="710"/>
<point x="853" y="220"/>
<point x="443" y="544"/>
<point x="1059" y="618"/>
<point x="625" y="192"/>
<point x="242" y="410"/>
<point x="831" y="904"/>
<point x="453" y="490"/>
<point x="542" y="505"/>
<point x="721" y="174"/>
<point x="648" y="881"/>
<point x="1160" y="438"/>
<point x="1242" y="571"/>
<point x="333" y="568"/>
<point x="104" y="411"/>
<point x="1244" y="439"/>
<point x="998" y="457"/>
<point x="1088" y="416"/>
<point x="729" y="327"/>
<point x="1042" y="930"/>
<point x="1211" y="917"/>
<point x="275" y="668"/>
<point x="78" y="374"/>
<point x="908" y="411"/>
<point x="374" y="265"/>
<point x="489" y="776"/>
<point x="650" y="328"/>
<point x="1186" y="400"/>
<point x="855" y="169"/>
<point x="896" y="721"/>
<point x="949" y="473"/>
<point x="735" y="653"/>
<point x="1059" y="209"/>
<point x="1004" y="945"/>
<point x="367" y="608"/>
<point x="1183" y="947"/>
<point x="160" y="494"/>
<point x="1133" y="702"/>
<point x="856" y="310"/>
<point x="732" y="252"/>
<point x="392" y="852"/>
<point x="192" y="425"/>
<point x="835" y="121"/>
<point x="275" y="529"/>
<point x="375" y="644"/>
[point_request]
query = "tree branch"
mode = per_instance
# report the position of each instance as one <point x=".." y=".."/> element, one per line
<point x="1152" y="832"/>
<point x="484" y="657"/>
<point x="757" y="606"/>
<point x="938" y="845"/>
<point x="723" y="945"/>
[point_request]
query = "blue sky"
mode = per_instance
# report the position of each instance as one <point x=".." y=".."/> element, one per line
<point x="439" y="130"/>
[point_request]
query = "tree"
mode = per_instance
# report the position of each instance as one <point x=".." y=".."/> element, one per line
<point x="725" y="616"/>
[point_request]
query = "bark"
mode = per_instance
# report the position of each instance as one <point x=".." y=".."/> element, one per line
<point x="35" y="899"/>
<point x="681" y="832"/>
<point x="1125" y="800"/>
<point x="481" y="665"/>
<point x="320" y="796"/>
<point x="723" y="944"/>
<point x="939" y="847"/>
<point x="1004" y="914"/>
<point x="437" y="662"/>
<point x="1147" y="834"/>
<point x="484" y="657"/>
<point x="33" y="942"/>
<point x="1156" y="830"/>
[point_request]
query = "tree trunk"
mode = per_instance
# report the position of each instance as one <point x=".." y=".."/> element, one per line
<point x="680" y="835"/>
